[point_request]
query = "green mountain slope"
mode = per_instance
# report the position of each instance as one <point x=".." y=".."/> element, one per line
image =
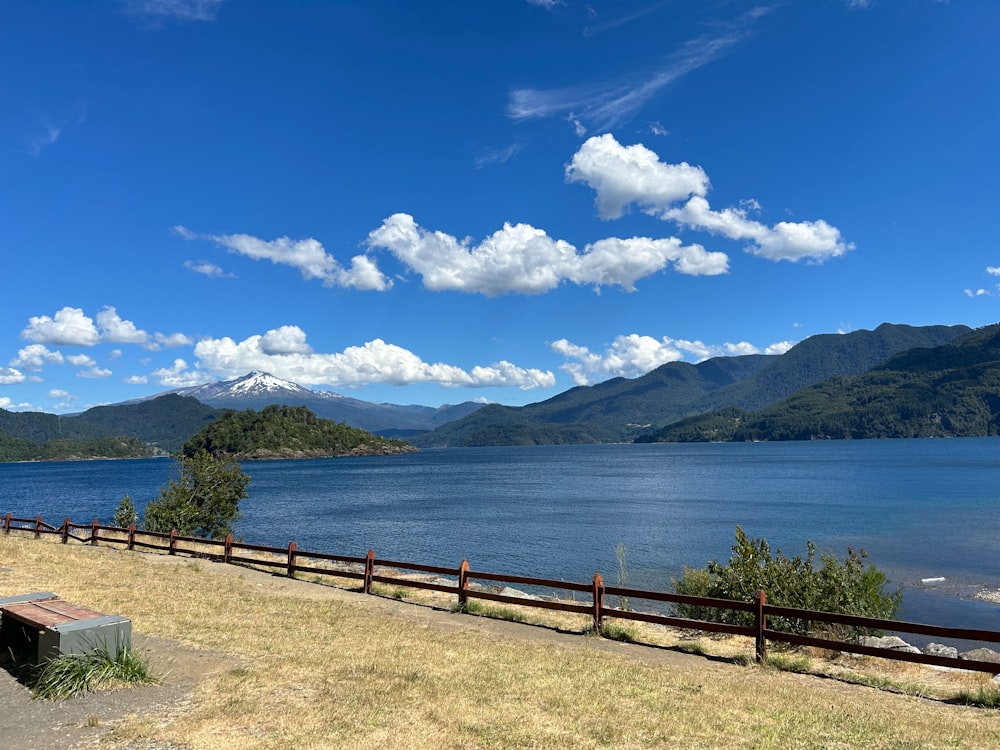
<point x="622" y="410"/>
<point x="945" y="391"/>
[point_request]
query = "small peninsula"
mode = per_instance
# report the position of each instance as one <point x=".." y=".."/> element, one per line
<point x="287" y="432"/>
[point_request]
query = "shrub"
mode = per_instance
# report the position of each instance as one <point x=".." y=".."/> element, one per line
<point x="818" y="582"/>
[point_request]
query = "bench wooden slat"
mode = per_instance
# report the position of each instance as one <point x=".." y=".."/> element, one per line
<point x="48" y="612"/>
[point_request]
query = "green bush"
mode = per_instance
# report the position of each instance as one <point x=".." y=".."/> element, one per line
<point x="819" y="582"/>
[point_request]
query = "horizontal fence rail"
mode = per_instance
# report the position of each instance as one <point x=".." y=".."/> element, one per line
<point x="460" y="581"/>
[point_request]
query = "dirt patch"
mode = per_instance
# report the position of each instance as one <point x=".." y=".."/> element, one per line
<point x="27" y="723"/>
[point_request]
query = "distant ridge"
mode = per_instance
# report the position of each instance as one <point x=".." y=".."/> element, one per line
<point x="622" y="410"/>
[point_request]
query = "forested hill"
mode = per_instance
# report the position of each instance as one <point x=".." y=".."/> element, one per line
<point x="155" y="427"/>
<point x="287" y="432"/>
<point x="944" y="391"/>
<point x="621" y="410"/>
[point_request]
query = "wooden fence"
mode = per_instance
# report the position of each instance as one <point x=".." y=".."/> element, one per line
<point x="459" y="581"/>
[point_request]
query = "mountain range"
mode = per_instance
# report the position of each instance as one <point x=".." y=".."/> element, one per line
<point x="622" y="410"/>
<point x="708" y="400"/>
<point x="259" y="389"/>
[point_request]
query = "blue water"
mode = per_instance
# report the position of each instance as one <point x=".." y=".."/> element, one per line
<point x="921" y="508"/>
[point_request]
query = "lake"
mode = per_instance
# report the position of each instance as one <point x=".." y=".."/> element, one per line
<point x="922" y="509"/>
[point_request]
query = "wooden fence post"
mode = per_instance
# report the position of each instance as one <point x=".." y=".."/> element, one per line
<point x="173" y="542"/>
<point x="227" y="548"/>
<point x="369" y="570"/>
<point x="463" y="584"/>
<point x="65" y="530"/>
<point x="598" y="602"/>
<point x="760" y="624"/>
<point x="131" y="537"/>
<point x="291" y="559"/>
<point x="38" y="528"/>
<point x="6" y="523"/>
<point x="93" y="532"/>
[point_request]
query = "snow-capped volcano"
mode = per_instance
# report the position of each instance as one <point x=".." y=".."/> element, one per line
<point x="256" y="390"/>
<point x="253" y="385"/>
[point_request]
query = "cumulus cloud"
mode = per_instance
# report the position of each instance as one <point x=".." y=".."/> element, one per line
<point x="626" y="175"/>
<point x="68" y="327"/>
<point x="633" y="355"/>
<point x="11" y="376"/>
<point x="307" y="255"/>
<point x="524" y="260"/>
<point x="622" y="175"/>
<point x="94" y="373"/>
<point x="135" y="380"/>
<point x="119" y="331"/>
<point x="35" y="356"/>
<point x="285" y="353"/>
<point x="81" y="360"/>
<point x="172" y="340"/>
<point x="180" y="375"/>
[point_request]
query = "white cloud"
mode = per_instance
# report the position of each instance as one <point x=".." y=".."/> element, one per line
<point x="604" y="105"/>
<point x="119" y="331"/>
<point x="634" y="355"/>
<point x="69" y="327"/>
<point x="628" y="356"/>
<point x="81" y="360"/>
<point x="623" y="175"/>
<point x="41" y="142"/>
<point x="182" y="10"/>
<point x="10" y="376"/>
<point x="135" y="380"/>
<point x="993" y="270"/>
<point x="374" y="362"/>
<point x="94" y="373"/>
<point x="307" y="255"/>
<point x="491" y="156"/>
<point x="35" y="356"/>
<point x="179" y="375"/>
<point x="524" y="260"/>
<point x="206" y="268"/>
<point x="60" y="394"/>
<point x="779" y="347"/>
<point x="173" y="340"/>
<point x="285" y="340"/>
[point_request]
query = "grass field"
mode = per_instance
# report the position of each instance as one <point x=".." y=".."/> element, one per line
<point x="314" y="666"/>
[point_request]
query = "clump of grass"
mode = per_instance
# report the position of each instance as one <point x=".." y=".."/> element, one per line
<point x="985" y="696"/>
<point x="789" y="663"/>
<point x="692" y="647"/>
<point x="396" y="592"/>
<point x="473" y="607"/>
<point x="614" y="631"/>
<point x="68" y="675"/>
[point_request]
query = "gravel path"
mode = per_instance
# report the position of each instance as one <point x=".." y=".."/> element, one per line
<point x="30" y="724"/>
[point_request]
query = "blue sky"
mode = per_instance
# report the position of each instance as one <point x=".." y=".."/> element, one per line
<point x="441" y="201"/>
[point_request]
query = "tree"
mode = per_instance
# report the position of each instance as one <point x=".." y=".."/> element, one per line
<point x="202" y="500"/>
<point x="125" y="513"/>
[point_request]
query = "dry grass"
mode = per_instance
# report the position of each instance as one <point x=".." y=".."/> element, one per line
<point x="326" y="668"/>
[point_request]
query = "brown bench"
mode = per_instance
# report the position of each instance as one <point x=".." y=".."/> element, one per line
<point x="39" y="626"/>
